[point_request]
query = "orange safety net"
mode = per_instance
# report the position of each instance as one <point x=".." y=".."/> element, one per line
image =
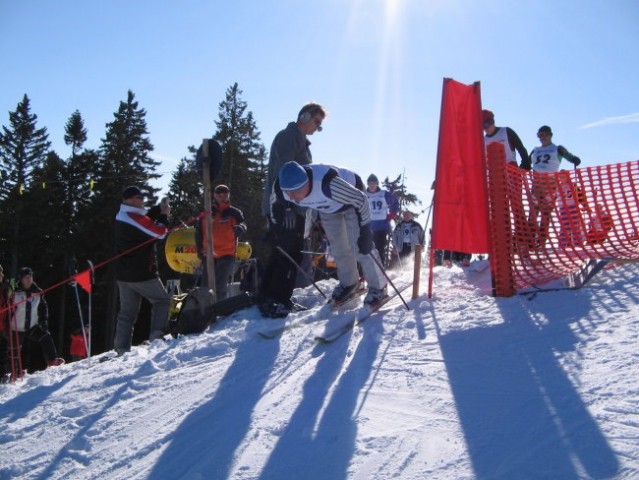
<point x="561" y="220"/>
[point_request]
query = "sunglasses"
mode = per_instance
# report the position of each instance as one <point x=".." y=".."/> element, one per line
<point x="222" y="191"/>
<point x="488" y="123"/>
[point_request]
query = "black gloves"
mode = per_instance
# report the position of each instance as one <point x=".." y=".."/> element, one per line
<point x="288" y="222"/>
<point x="238" y="230"/>
<point x="576" y="161"/>
<point x="365" y="240"/>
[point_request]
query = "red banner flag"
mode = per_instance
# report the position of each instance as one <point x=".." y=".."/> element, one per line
<point x="460" y="207"/>
<point x="84" y="280"/>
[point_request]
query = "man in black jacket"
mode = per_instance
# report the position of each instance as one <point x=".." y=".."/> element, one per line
<point x="286" y="232"/>
<point x="136" y="267"/>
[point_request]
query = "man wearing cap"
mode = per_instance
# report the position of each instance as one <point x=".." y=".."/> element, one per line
<point x="32" y="316"/>
<point x="337" y="194"/>
<point x="512" y="143"/>
<point x="384" y="208"/>
<point x="545" y="159"/>
<point x="287" y="228"/>
<point x="136" y="266"/>
<point x="228" y="225"/>
<point x="508" y="137"/>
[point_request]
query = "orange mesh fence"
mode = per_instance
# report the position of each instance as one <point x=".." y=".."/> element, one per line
<point x="501" y="249"/>
<point x="561" y="220"/>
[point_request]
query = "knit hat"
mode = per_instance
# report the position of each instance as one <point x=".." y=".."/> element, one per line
<point x="23" y="272"/>
<point x="221" y="188"/>
<point x="545" y="129"/>
<point x="372" y="178"/>
<point x="130" y="192"/>
<point x="292" y="176"/>
<point x="487" y="115"/>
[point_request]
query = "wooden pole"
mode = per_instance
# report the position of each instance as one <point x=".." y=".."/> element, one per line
<point x="417" y="271"/>
<point x="208" y="221"/>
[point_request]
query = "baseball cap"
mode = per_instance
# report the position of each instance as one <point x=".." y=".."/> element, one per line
<point x="130" y="192"/>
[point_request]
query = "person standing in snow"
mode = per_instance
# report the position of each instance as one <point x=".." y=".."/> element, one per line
<point x="511" y="141"/>
<point x="32" y="316"/>
<point x="228" y="225"/>
<point x="286" y="229"/>
<point x="545" y="159"/>
<point x="136" y="266"/>
<point x="337" y="194"/>
<point x="384" y="208"/>
<point x="407" y="234"/>
<point x="508" y="137"/>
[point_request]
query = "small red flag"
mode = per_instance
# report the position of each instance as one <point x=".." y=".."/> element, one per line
<point x="84" y="280"/>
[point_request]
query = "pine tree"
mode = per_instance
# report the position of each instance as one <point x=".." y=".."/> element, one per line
<point x="75" y="133"/>
<point x="244" y="154"/>
<point x="398" y="188"/>
<point x="185" y="191"/>
<point x="23" y="147"/>
<point x="125" y="151"/>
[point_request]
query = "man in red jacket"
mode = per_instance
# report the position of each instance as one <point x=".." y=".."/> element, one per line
<point x="228" y="225"/>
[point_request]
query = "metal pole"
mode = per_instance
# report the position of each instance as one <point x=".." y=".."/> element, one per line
<point x="389" y="281"/>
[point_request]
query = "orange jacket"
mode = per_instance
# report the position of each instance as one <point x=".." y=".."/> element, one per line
<point x="225" y="219"/>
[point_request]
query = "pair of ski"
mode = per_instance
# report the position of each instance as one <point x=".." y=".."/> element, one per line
<point x="330" y="335"/>
<point x="308" y="317"/>
<point x="361" y="315"/>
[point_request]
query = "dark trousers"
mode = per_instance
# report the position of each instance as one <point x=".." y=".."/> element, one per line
<point x="223" y="267"/>
<point x="278" y="280"/>
<point x="380" y="239"/>
<point x="43" y="338"/>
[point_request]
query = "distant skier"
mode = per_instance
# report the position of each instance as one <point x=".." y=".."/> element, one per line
<point x="407" y="234"/>
<point x="545" y="159"/>
<point x="384" y="208"/>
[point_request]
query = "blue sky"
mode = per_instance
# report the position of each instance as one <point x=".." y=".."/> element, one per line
<point x="377" y="65"/>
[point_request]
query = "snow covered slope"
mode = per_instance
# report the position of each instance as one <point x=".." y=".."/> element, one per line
<point x="462" y="386"/>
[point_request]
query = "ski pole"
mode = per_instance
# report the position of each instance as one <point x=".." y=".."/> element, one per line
<point x="430" y="209"/>
<point x="389" y="280"/>
<point x="74" y="270"/>
<point x="281" y="250"/>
